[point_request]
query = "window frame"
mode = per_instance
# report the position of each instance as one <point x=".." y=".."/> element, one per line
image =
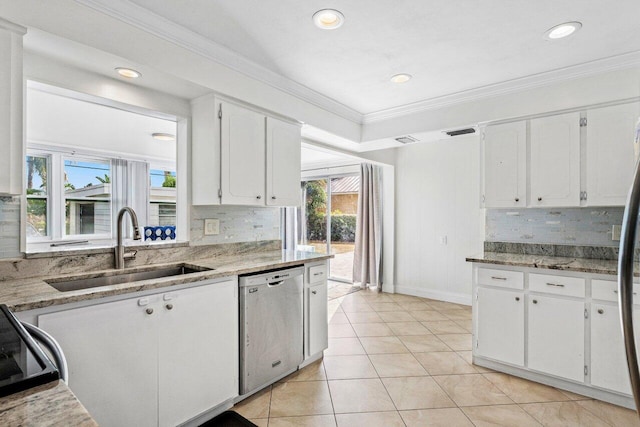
<point x="47" y="155"/>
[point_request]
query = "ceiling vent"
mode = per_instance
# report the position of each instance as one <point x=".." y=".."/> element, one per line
<point x="408" y="139"/>
<point x="459" y="132"/>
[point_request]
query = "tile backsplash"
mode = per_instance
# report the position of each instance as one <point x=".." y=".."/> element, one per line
<point x="568" y="226"/>
<point x="237" y="224"/>
<point x="9" y="227"/>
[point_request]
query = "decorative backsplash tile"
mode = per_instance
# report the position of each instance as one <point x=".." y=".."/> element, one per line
<point x="237" y="224"/>
<point x="9" y="227"/>
<point x="564" y="226"/>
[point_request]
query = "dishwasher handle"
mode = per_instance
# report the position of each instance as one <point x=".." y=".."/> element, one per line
<point x="274" y="284"/>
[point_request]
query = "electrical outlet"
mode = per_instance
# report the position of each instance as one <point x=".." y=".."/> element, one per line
<point x="616" y="231"/>
<point x="211" y="227"/>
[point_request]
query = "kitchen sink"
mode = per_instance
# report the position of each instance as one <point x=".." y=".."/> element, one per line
<point x="111" y="278"/>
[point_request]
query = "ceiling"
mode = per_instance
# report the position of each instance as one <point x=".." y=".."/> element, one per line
<point x="449" y="47"/>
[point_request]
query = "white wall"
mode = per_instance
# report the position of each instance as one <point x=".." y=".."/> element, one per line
<point x="437" y="187"/>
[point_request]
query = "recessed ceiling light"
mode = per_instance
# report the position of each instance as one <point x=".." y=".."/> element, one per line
<point x="562" y="30"/>
<point x="328" y="19"/>
<point x="163" y="136"/>
<point x="128" y="73"/>
<point x="401" y="78"/>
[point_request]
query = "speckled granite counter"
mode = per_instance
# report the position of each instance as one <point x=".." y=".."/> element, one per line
<point x="32" y="293"/>
<point x="597" y="266"/>
<point x="51" y="404"/>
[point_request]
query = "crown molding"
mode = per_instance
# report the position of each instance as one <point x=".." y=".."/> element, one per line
<point x="587" y="69"/>
<point x="146" y="20"/>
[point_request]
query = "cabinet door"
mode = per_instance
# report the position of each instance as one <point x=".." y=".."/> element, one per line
<point x="610" y="158"/>
<point x="283" y="163"/>
<point x="317" y="325"/>
<point x="198" y="350"/>
<point x="500" y="326"/>
<point x="505" y="163"/>
<point x="111" y="350"/>
<point x="242" y="155"/>
<point x="556" y="337"/>
<point x="555" y="161"/>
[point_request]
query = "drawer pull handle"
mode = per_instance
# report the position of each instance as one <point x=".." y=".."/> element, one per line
<point x="557" y="285"/>
<point x="600" y="311"/>
<point x="317" y="274"/>
<point x="535" y="301"/>
<point x="517" y="298"/>
<point x="498" y="278"/>
<point x="314" y="292"/>
<point x="615" y="292"/>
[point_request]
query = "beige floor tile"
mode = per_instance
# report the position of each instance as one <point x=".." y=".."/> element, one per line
<point x="444" y="363"/>
<point x="397" y="365"/>
<point x="337" y="318"/>
<point x="614" y="415"/>
<point x="372" y="330"/>
<point x="385" y="306"/>
<point x="414" y="305"/>
<point x="563" y="414"/>
<point x="260" y="422"/>
<point x="525" y="391"/>
<point x="370" y="419"/>
<point x="300" y="398"/>
<point x="364" y="317"/>
<point x="468" y="356"/>
<point x="377" y="297"/>
<point x="256" y="406"/>
<point x="424" y="343"/>
<point x="471" y="390"/>
<point x="457" y="342"/>
<point x="349" y="367"/>
<point x="428" y="316"/>
<point x="360" y="396"/>
<point x="500" y="416"/>
<point x="312" y="372"/>
<point x="403" y="297"/>
<point x="310" y="421"/>
<point x="445" y="327"/>
<point x="343" y="347"/>
<point x="356" y="307"/>
<point x="417" y="393"/>
<point x="443" y="306"/>
<point x="457" y="314"/>
<point x="449" y="417"/>
<point x="466" y="324"/>
<point x="341" y="330"/>
<point x="574" y="396"/>
<point x="382" y="345"/>
<point x="408" y="328"/>
<point x="396" y="316"/>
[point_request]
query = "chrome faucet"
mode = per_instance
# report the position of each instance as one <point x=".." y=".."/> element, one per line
<point x="121" y="256"/>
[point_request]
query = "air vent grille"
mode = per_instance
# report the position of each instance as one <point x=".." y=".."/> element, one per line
<point x="458" y="132"/>
<point x="408" y="139"/>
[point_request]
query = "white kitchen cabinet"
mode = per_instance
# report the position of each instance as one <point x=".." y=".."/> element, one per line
<point x="11" y="109"/>
<point x="156" y="360"/>
<point x="283" y="163"/>
<point x="556" y="336"/>
<point x="505" y="165"/>
<point x="500" y="325"/>
<point x="610" y="158"/>
<point x="555" y="161"/>
<point x="317" y="327"/>
<point x="242" y="155"/>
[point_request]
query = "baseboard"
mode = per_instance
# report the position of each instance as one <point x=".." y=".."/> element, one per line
<point x="432" y="294"/>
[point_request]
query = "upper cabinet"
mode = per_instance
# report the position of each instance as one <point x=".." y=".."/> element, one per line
<point x="555" y="161"/>
<point x="610" y="159"/>
<point x="243" y="157"/>
<point x="505" y="165"/>
<point x="11" y="89"/>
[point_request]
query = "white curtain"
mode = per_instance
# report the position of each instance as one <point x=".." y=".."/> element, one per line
<point x="367" y="261"/>
<point x="132" y="181"/>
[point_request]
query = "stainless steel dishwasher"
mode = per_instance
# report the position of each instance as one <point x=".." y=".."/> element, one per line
<point x="271" y="327"/>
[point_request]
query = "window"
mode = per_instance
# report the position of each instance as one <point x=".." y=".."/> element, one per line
<point x="162" y="200"/>
<point x="37" y="196"/>
<point x="87" y="196"/>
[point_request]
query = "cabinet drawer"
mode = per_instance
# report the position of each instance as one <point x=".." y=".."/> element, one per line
<point x="607" y="290"/>
<point x="317" y="273"/>
<point x="501" y="278"/>
<point x="558" y="285"/>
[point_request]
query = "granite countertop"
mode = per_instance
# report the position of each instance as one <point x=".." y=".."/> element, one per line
<point x="598" y="266"/>
<point x="32" y="293"/>
<point x="45" y="405"/>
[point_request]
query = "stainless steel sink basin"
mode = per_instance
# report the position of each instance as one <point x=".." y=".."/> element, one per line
<point x="110" y="278"/>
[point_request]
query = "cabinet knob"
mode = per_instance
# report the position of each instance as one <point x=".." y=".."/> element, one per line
<point x="169" y="306"/>
<point x="149" y="310"/>
<point x="600" y="311"/>
<point x="517" y="298"/>
<point x="535" y="301"/>
<point x="314" y="292"/>
<point x="539" y="199"/>
<point x="273" y="197"/>
<point x="258" y="197"/>
<point x="517" y="199"/>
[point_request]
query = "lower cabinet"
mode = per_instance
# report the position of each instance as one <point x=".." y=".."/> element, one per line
<point x="156" y="360"/>
<point x="556" y="336"/>
<point x="503" y="311"/>
<point x="316" y="322"/>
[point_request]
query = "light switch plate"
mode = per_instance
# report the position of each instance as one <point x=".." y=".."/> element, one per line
<point x="211" y="227"/>
<point x="616" y="231"/>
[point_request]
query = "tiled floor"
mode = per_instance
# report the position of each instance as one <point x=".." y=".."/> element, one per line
<point x="397" y="360"/>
